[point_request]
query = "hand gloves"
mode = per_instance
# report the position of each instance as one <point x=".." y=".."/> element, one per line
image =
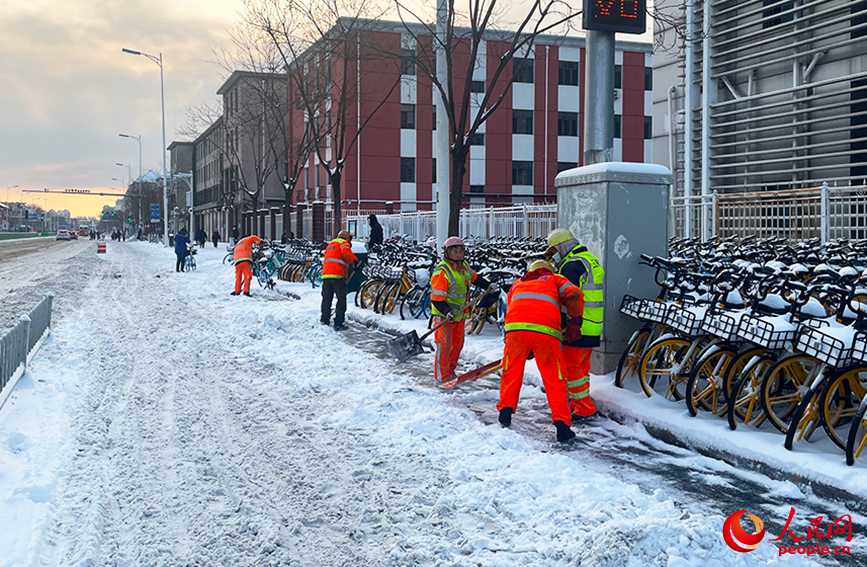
<point x="450" y="316"/>
<point x="573" y="330"/>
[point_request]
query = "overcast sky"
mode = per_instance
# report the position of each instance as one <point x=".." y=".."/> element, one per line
<point x="67" y="90"/>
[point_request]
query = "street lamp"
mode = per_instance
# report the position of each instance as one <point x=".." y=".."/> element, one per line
<point x="8" y="209"/>
<point x="159" y="61"/>
<point x="137" y="139"/>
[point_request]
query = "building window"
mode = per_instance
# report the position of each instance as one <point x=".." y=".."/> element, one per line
<point x="477" y="139"/>
<point x="648" y="78"/>
<point x="433" y="173"/>
<point x="522" y="122"/>
<point x="306" y="177"/>
<point x="407" y="62"/>
<point x="407" y="116"/>
<point x="567" y="123"/>
<point x="564" y="165"/>
<point x="522" y="173"/>
<point x="778" y="6"/>
<point x="477" y="188"/>
<point x="434" y="127"/>
<point x="618" y="76"/>
<point x="617" y="125"/>
<point x="648" y="127"/>
<point x="568" y="74"/>
<point x="477" y="86"/>
<point x="407" y="170"/>
<point x="523" y="70"/>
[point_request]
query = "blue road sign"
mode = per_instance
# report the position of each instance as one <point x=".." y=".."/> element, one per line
<point x="155" y="212"/>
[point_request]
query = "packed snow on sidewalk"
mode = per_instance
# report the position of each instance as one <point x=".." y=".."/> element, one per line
<point x="167" y="423"/>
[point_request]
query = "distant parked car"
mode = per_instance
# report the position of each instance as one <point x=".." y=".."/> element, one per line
<point x="84" y="231"/>
<point x="72" y="235"/>
<point x="62" y="235"/>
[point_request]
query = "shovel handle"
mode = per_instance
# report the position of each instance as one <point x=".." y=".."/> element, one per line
<point x="469" y="305"/>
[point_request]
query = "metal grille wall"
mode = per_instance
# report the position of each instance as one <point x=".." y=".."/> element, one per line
<point x="787" y="95"/>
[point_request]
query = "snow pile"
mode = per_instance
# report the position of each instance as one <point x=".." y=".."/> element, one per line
<point x="167" y="423"/>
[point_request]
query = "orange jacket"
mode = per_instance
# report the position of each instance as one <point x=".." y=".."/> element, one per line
<point x="338" y="256"/>
<point x="455" y="292"/>
<point x="537" y="299"/>
<point x="244" y="249"/>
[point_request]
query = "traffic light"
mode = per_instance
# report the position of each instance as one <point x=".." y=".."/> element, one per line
<point x="42" y="216"/>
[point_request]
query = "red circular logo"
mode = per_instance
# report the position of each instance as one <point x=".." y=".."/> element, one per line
<point x="737" y="538"/>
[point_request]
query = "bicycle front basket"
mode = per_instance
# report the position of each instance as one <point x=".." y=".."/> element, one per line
<point x="687" y="320"/>
<point x="830" y="345"/>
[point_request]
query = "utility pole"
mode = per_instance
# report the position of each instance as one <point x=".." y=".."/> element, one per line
<point x="442" y="137"/>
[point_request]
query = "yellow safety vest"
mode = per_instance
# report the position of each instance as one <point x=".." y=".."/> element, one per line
<point x="591" y="285"/>
<point x="459" y="285"/>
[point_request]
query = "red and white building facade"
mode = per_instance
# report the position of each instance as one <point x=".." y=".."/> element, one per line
<point x="514" y="158"/>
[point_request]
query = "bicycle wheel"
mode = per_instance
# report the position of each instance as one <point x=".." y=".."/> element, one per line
<point x="390" y="299"/>
<point x="857" y="439"/>
<point x="659" y="368"/>
<point x="733" y="373"/>
<point x="192" y="265"/>
<point x="502" y="307"/>
<point x="229" y="258"/>
<point x="840" y="402"/>
<point x="631" y="357"/>
<point x="384" y="290"/>
<point x="261" y="276"/>
<point x="410" y="300"/>
<point x="744" y="403"/>
<point x="368" y="293"/>
<point x="705" y="382"/>
<point x="806" y="418"/>
<point x="781" y="388"/>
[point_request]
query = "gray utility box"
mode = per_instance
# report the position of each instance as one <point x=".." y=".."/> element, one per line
<point x="618" y="211"/>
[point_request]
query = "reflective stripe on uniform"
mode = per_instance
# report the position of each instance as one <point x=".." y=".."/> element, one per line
<point x="592" y="304"/>
<point x="566" y="286"/>
<point x="534" y="327"/>
<point x="539" y="296"/>
<point x="341" y="262"/>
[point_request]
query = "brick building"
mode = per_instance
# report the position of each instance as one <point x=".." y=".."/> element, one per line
<point x="518" y="151"/>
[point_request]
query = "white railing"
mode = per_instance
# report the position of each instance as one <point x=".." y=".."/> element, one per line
<point x="799" y="214"/>
<point x="483" y="223"/>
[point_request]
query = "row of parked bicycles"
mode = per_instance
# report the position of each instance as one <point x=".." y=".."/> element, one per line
<point x="761" y="333"/>
<point x="272" y="259"/>
<point x="398" y="274"/>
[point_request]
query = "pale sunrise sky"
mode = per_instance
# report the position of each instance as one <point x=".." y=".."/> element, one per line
<point x="67" y="90"/>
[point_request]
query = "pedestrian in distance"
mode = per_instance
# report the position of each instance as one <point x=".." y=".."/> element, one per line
<point x="283" y="238"/>
<point x="244" y="264"/>
<point x="450" y="291"/>
<point x="533" y="324"/>
<point x="338" y="256"/>
<point x="235" y="234"/>
<point x="216" y="238"/>
<point x="582" y="268"/>
<point x="181" y="241"/>
<point x="201" y="237"/>
<point x="375" y="232"/>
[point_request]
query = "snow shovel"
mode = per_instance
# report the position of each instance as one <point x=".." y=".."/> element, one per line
<point x="474" y="374"/>
<point x="408" y="345"/>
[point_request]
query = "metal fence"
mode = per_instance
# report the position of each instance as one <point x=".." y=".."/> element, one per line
<point x="482" y="223"/>
<point x="825" y="212"/>
<point x="18" y="343"/>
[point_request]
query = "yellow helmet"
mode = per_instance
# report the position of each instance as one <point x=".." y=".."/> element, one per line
<point x="539" y="264"/>
<point x="559" y="236"/>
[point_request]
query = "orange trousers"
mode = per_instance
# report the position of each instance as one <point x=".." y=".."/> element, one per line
<point x="578" y="382"/>
<point x="550" y="362"/>
<point x="450" y="341"/>
<point x="243" y="274"/>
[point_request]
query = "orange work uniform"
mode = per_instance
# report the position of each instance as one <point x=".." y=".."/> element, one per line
<point x="338" y="256"/>
<point x="533" y="322"/>
<point x="335" y="268"/>
<point x="243" y="262"/>
<point x="450" y="283"/>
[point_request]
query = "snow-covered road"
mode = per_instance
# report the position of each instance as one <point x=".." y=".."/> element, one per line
<point x="167" y="423"/>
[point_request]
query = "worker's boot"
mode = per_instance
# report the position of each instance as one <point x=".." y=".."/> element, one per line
<point x="506" y="417"/>
<point x="564" y="432"/>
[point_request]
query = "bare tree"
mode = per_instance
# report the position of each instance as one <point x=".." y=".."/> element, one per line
<point x="321" y="43"/>
<point x="509" y="52"/>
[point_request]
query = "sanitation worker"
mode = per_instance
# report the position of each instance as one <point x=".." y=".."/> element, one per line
<point x="533" y="323"/>
<point x="244" y="263"/>
<point x="338" y="256"/>
<point x="450" y="291"/>
<point x="582" y="268"/>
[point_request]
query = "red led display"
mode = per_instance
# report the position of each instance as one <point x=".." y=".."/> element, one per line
<point x="624" y="16"/>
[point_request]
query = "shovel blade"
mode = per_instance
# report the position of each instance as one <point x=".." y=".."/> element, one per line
<point x="406" y="346"/>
